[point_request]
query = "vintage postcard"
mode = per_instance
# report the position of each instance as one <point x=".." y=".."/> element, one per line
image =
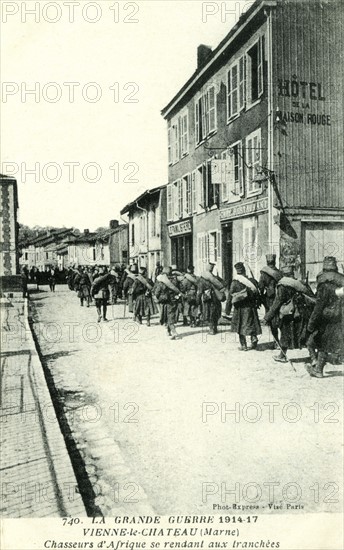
<point x="172" y="274"/>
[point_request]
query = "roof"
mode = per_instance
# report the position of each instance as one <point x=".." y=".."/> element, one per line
<point x="144" y="195"/>
<point x="42" y="240"/>
<point x="217" y="53"/>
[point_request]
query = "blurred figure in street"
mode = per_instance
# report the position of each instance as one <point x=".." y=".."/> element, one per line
<point x="100" y="293"/>
<point x="114" y="284"/>
<point x="84" y="287"/>
<point x="168" y="295"/>
<point x="244" y="296"/>
<point x="269" y="277"/>
<point x="142" y="295"/>
<point x="188" y="286"/>
<point x="327" y="319"/>
<point x="25" y="281"/>
<point x="158" y="270"/>
<point x="210" y="293"/>
<point x="290" y="306"/>
<point x="52" y="279"/>
<point x="130" y="276"/>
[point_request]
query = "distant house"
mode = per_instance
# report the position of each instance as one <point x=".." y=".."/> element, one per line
<point x="99" y="248"/>
<point x="42" y="251"/>
<point x="147" y="228"/>
<point x="8" y="226"/>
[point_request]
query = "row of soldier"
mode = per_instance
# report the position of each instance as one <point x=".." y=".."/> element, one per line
<point x="296" y="316"/>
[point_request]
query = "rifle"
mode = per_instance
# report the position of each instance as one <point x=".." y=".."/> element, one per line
<point x="261" y="302"/>
<point x="125" y="306"/>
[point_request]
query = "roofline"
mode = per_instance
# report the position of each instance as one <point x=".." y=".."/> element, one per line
<point x="219" y="50"/>
<point x="146" y="193"/>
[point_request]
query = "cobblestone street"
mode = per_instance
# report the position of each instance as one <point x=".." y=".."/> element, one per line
<point x="187" y="426"/>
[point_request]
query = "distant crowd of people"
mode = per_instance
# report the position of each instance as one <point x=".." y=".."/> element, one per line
<point x="296" y="315"/>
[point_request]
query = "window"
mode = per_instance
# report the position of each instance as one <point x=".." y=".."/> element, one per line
<point x="233" y="185"/>
<point x="236" y="88"/>
<point x="26" y="255"/>
<point x="253" y="161"/>
<point x="205" y="115"/>
<point x="255" y="58"/>
<point x="169" y="192"/>
<point x="213" y="247"/>
<point x="178" y="138"/>
<point x="200" y="187"/>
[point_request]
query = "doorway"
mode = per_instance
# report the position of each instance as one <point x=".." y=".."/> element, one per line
<point x="227" y="252"/>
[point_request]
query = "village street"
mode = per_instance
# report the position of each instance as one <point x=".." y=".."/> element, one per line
<point x="187" y="426"/>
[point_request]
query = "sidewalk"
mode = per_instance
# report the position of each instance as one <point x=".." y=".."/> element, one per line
<point x="37" y="478"/>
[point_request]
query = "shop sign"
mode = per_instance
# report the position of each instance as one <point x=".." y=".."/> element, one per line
<point x="180" y="228"/>
<point x="246" y="209"/>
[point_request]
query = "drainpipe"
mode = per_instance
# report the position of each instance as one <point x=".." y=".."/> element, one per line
<point x="270" y="136"/>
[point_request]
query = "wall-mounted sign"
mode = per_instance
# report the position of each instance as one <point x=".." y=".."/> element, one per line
<point x="180" y="228"/>
<point x="302" y="95"/>
<point x="246" y="209"/>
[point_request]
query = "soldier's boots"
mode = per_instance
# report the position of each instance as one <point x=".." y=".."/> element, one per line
<point x="317" y="370"/>
<point x="185" y="322"/>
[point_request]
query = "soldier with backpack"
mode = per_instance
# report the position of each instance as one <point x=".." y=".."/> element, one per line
<point x="244" y="296"/>
<point x="327" y="319"/>
<point x="269" y="277"/>
<point x="290" y="306"/>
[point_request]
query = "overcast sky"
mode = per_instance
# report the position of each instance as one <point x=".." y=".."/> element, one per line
<point x="144" y="62"/>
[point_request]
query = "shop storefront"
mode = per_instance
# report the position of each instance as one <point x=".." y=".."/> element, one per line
<point x="180" y="234"/>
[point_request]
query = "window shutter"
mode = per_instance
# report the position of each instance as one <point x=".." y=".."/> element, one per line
<point x="242" y="82"/>
<point x="234" y="90"/>
<point x="211" y="107"/>
<point x="193" y="192"/>
<point x="248" y="65"/>
<point x="230" y="172"/>
<point x="229" y="87"/>
<point x="219" y="244"/>
<point x="196" y="123"/>
<point x="204" y="113"/>
<point x="260" y="65"/>
<point x="224" y="186"/>
<point x="240" y="164"/>
<point x="169" y="203"/>
<point x="169" y="145"/>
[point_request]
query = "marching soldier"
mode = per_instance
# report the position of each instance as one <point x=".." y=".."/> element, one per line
<point x="269" y="277"/>
<point x="114" y="283"/>
<point x="327" y="317"/>
<point x="142" y="296"/>
<point x="290" y="306"/>
<point x="100" y="292"/>
<point x="188" y="286"/>
<point x="84" y="285"/>
<point x="244" y="296"/>
<point x="168" y="295"/>
<point x="130" y="276"/>
<point x="211" y="292"/>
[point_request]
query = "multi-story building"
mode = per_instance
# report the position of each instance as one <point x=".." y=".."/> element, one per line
<point x="255" y="143"/>
<point x="147" y="229"/>
<point x="8" y="226"/>
<point x="99" y="248"/>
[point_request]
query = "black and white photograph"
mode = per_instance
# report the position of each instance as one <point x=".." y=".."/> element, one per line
<point x="172" y="274"/>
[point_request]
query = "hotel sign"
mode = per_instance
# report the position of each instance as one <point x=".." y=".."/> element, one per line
<point x="180" y="228"/>
<point x="246" y="209"/>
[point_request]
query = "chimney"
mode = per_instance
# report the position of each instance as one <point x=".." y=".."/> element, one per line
<point x="114" y="224"/>
<point x="86" y="231"/>
<point x="203" y="54"/>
